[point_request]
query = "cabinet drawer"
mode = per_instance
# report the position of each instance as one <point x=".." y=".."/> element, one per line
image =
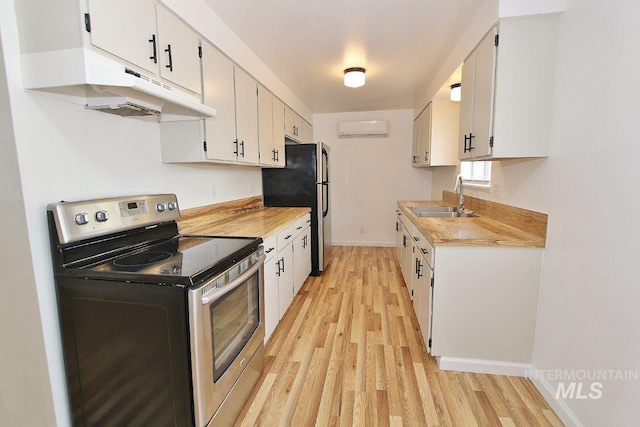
<point x="270" y="247"/>
<point x="306" y="220"/>
<point x="298" y="226"/>
<point x="285" y="237"/>
<point x="426" y="249"/>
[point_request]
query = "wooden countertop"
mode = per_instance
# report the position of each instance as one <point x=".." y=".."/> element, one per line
<point x="261" y="222"/>
<point x="474" y="231"/>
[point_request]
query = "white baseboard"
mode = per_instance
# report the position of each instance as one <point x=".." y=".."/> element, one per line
<point x="559" y="407"/>
<point x="480" y="366"/>
<point x="376" y="244"/>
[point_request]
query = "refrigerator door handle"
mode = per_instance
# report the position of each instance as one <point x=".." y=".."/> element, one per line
<point x="325" y="209"/>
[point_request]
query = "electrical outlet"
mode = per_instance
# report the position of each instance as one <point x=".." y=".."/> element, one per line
<point x="362" y="230"/>
<point x="213" y="191"/>
<point x="495" y="189"/>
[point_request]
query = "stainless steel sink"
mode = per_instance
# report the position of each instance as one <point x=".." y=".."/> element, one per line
<point x="441" y="212"/>
<point x="427" y="209"/>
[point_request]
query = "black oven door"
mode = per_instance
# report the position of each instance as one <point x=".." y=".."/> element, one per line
<point x="227" y="327"/>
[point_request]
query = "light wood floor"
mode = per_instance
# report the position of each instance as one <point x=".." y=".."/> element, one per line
<point x="348" y="352"/>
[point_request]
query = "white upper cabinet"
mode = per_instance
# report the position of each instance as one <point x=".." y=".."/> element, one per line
<point x="306" y="131"/>
<point x="265" y="126"/>
<point x="508" y="83"/>
<point x="218" y="84"/>
<point x="132" y="36"/>
<point x="292" y="123"/>
<point x="246" y="116"/>
<point x="179" y="51"/>
<point x="148" y="35"/>
<point x="278" y="133"/>
<point x="270" y="128"/>
<point x="436" y="133"/>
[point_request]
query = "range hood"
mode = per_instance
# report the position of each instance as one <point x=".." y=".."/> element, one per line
<point x="99" y="82"/>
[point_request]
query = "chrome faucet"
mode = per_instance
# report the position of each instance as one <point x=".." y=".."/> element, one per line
<point x="458" y="184"/>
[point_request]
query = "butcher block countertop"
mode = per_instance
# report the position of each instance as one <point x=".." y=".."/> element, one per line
<point x="494" y="225"/>
<point x="248" y="220"/>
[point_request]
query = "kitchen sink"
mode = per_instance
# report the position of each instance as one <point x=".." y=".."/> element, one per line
<point x="430" y="209"/>
<point x="441" y="212"/>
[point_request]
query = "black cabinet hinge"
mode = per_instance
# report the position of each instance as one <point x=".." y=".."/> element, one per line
<point x="411" y="293"/>
<point x="432" y="282"/>
<point x="496" y="39"/>
<point x="429" y="342"/>
<point x="199" y="51"/>
<point x="87" y="22"/>
<point x="491" y="142"/>
<point x="204" y="145"/>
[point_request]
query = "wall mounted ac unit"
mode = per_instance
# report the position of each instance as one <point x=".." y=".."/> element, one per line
<point x="363" y="128"/>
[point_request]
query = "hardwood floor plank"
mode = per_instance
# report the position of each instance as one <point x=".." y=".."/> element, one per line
<point x="349" y="351"/>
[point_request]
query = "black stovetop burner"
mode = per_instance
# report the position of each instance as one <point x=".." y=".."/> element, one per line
<point x="181" y="256"/>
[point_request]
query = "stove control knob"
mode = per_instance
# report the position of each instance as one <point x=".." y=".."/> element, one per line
<point x="172" y="206"/>
<point x="161" y="207"/>
<point x="82" y="218"/>
<point x="102" y="216"/>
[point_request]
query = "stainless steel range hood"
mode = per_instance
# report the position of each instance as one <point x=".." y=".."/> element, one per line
<point x="99" y="82"/>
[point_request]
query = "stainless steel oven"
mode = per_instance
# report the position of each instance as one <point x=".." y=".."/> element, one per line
<point x="226" y="317"/>
<point x="157" y="328"/>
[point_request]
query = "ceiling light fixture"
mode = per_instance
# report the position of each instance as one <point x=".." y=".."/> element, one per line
<point x="354" y="77"/>
<point x="456" y="92"/>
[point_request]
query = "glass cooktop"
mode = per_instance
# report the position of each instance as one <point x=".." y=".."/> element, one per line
<point x="182" y="256"/>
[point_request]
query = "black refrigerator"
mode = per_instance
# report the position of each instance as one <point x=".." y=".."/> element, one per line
<point x="304" y="182"/>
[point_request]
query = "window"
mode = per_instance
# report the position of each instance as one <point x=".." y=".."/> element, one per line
<point x="476" y="173"/>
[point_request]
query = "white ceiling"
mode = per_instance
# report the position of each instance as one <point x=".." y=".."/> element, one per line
<point x="308" y="44"/>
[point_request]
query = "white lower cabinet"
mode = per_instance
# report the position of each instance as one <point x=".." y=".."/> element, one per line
<point x="476" y="306"/>
<point x="286" y="267"/>
<point x="284" y="272"/>
<point x="302" y="258"/>
<point x="271" y="310"/>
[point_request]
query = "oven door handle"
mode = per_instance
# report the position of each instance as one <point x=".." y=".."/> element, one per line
<point x="216" y="293"/>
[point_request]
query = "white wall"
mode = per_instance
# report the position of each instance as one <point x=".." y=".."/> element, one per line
<point x="23" y="362"/>
<point x="65" y="152"/>
<point x="369" y="176"/>
<point x="589" y="310"/>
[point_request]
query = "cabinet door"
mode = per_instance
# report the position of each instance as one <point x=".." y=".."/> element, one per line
<point x="285" y="279"/>
<point x="417" y="279"/>
<point x="292" y="124"/>
<point x="483" y="95"/>
<point x="271" y="301"/>
<point x="417" y="130"/>
<point x="425" y="136"/>
<point x="306" y="131"/>
<point x="130" y="35"/>
<point x="424" y="319"/>
<point x="278" y="133"/>
<point x="302" y="259"/>
<point x="265" y="126"/>
<point x="399" y="239"/>
<point x="179" y="58"/>
<point x="246" y="116"/>
<point x="220" y="131"/>
<point x="466" y="104"/>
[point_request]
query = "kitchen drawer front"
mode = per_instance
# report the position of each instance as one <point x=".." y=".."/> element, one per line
<point x="270" y="247"/>
<point x="285" y="236"/>
<point x="306" y="221"/>
<point x="426" y="249"/>
<point x="298" y="226"/>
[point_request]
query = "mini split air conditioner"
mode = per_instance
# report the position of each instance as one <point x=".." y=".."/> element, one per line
<point x="363" y="128"/>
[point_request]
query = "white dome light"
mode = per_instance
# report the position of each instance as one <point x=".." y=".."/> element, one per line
<point x="354" y="77"/>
